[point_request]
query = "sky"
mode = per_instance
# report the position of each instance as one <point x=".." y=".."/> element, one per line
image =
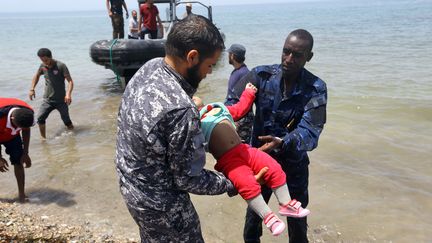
<point x="82" y="5"/>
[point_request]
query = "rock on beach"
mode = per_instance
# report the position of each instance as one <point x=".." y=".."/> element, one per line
<point x="16" y="225"/>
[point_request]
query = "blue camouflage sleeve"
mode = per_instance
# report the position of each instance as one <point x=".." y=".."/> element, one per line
<point x="305" y="136"/>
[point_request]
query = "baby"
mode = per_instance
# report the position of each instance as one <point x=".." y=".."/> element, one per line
<point x="240" y="162"/>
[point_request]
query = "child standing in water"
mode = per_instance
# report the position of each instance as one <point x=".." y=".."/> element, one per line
<point x="240" y="162"/>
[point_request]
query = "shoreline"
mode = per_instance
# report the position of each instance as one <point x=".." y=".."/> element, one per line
<point x="62" y="215"/>
<point x="20" y="224"/>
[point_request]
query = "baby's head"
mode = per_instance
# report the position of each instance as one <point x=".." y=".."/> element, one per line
<point x="198" y="102"/>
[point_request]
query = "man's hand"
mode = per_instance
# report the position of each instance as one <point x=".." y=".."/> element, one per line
<point x="25" y="159"/>
<point x="252" y="87"/>
<point x="68" y="99"/>
<point x="110" y="13"/>
<point x="232" y="191"/>
<point x="32" y="94"/>
<point x="3" y="165"/>
<point x="260" y="176"/>
<point x="270" y="143"/>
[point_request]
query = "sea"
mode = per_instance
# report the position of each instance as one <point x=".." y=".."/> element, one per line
<point x="370" y="177"/>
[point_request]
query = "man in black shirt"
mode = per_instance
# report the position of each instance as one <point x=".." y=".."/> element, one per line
<point x="115" y="12"/>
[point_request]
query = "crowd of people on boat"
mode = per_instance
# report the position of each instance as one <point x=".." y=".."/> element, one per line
<point x="147" y="21"/>
<point x="164" y="132"/>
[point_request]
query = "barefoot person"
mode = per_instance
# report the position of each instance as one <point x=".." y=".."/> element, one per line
<point x="15" y="116"/>
<point x="55" y="96"/>
<point x="239" y="161"/>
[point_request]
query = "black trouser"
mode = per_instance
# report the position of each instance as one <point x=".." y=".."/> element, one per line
<point x="153" y="33"/>
<point x="48" y="106"/>
<point x="297" y="180"/>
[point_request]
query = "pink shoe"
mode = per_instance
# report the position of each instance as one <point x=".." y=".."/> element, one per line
<point x="275" y="225"/>
<point x="293" y="209"/>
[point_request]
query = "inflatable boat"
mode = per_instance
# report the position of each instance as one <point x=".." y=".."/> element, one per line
<point x="125" y="56"/>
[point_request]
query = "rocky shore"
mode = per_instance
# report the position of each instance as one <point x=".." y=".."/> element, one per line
<point x="17" y="225"/>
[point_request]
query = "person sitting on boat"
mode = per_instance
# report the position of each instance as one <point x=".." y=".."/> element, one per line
<point x="240" y="162"/>
<point x="133" y="26"/>
<point x="149" y="20"/>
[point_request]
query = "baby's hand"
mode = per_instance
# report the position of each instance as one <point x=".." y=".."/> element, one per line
<point x="252" y="87"/>
<point x="198" y="101"/>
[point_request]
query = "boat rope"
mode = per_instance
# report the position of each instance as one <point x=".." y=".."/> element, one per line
<point x="111" y="60"/>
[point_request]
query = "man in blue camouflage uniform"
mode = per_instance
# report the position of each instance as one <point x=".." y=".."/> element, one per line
<point x="160" y="147"/>
<point x="290" y="115"/>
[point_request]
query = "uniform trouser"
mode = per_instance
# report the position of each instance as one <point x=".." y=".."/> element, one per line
<point x="118" y="26"/>
<point x="46" y="108"/>
<point x="178" y="224"/>
<point x="297" y="181"/>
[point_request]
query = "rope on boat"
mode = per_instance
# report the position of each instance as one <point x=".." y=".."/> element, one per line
<point x="111" y="60"/>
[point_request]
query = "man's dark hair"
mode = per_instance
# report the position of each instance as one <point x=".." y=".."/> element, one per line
<point x="23" y="117"/>
<point x="44" y="52"/>
<point x="194" y="33"/>
<point x="304" y="35"/>
<point x="239" y="59"/>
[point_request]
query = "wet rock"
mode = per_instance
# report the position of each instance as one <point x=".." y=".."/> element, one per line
<point x="17" y="226"/>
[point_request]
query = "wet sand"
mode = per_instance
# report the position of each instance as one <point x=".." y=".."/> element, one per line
<point x="99" y="217"/>
<point x="357" y="190"/>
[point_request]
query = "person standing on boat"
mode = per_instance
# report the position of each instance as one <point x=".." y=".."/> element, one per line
<point x="149" y="20"/>
<point x="55" y="95"/>
<point x="236" y="57"/>
<point x="16" y="116"/>
<point x="133" y="26"/>
<point x="289" y="118"/>
<point x="115" y="12"/>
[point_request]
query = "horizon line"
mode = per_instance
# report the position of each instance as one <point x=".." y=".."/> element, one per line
<point x="102" y="9"/>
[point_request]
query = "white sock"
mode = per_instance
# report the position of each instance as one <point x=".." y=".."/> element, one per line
<point x="282" y="194"/>
<point x="259" y="206"/>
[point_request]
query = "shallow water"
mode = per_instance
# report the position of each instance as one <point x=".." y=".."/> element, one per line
<point x="371" y="177"/>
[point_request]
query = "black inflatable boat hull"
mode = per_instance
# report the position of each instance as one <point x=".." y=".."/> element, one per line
<point x="126" y="51"/>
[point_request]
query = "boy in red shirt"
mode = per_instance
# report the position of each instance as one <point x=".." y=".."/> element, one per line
<point x="16" y="115"/>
